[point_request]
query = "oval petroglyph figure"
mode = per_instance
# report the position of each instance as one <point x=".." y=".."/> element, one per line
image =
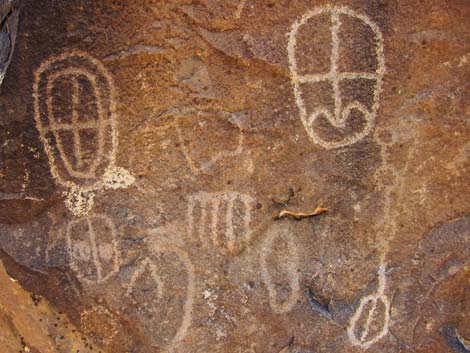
<point x="279" y="260"/>
<point x="370" y="322"/>
<point x="92" y="246"/>
<point x="342" y="105"/>
<point x="167" y="275"/>
<point x="74" y="110"/>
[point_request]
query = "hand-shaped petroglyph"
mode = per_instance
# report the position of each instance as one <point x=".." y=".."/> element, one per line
<point x="92" y="246"/>
<point x="289" y="261"/>
<point x="75" y="114"/>
<point x="223" y="219"/>
<point x="378" y="307"/>
<point x="341" y="114"/>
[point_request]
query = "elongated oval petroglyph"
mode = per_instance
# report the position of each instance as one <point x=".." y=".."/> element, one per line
<point x="162" y="269"/>
<point x="92" y="246"/>
<point x="370" y="322"/>
<point x="74" y="109"/>
<point x="221" y="219"/>
<point x="280" y="267"/>
<point x="338" y="80"/>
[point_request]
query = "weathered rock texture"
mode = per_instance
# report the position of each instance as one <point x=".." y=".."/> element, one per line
<point x="147" y="146"/>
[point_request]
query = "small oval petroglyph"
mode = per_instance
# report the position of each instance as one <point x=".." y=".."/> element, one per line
<point x="92" y="246"/>
<point x="371" y="307"/>
<point x="287" y="263"/>
<point x="335" y="78"/>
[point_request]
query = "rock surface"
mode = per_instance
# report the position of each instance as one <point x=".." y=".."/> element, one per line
<point x="148" y="146"/>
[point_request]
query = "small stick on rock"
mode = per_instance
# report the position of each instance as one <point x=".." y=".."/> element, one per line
<point x="300" y="215"/>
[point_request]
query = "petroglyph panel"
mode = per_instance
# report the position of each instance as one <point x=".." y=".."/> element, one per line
<point x="279" y="261"/>
<point x="347" y="112"/>
<point x="221" y="220"/>
<point x="92" y="245"/>
<point x="206" y="117"/>
<point x="160" y="290"/>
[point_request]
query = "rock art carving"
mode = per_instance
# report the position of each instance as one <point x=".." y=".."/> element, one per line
<point x="373" y="311"/>
<point x="146" y="265"/>
<point x="74" y="109"/>
<point x="239" y="10"/>
<point x="153" y="268"/>
<point x="221" y="219"/>
<point x="287" y="262"/>
<point x="341" y="113"/>
<point x="92" y="246"/>
<point x="199" y="166"/>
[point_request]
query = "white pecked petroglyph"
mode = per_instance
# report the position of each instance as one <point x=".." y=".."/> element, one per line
<point x="144" y="265"/>
<point x="290" y="262"/>
<point x="239" y="10"/>
<point x="222" y="219"/>
<point x="366" y="339"/>
<point x="339" y="116"/>
<point x="159" y="246"/>
<point x="92" y="246"/>
<point x="198" y="167"/>
<point x="81" y="147"/>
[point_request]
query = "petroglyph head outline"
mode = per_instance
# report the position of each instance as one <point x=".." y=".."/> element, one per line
<point x="86" y="248"/>
<point x="222" y="231"/>
<point x="81" y="172"/>
<point x="74" y="66"/>
<point x="200" y="167"/>
<point x="364" y="341"/>
<point x="341" y="114"/>
<point x="291" y="264"/>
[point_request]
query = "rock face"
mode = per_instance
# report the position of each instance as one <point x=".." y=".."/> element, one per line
<point x="149" y="146"/>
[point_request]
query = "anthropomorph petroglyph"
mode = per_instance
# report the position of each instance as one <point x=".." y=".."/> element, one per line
<point x="280" y="257"/>
<point x="92" y="246"/>
<point x="157" y="281"/>
<point x="74" y="109"/>
<point x="335" y="78"/>
<point x="221" y="219"/>
<point x="370" y="322"/>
